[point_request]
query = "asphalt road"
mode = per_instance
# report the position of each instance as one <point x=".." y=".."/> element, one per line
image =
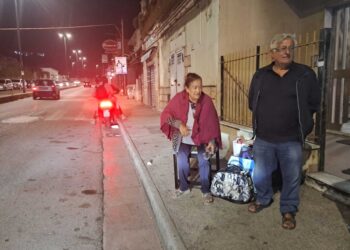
<point x="51" y="190"/>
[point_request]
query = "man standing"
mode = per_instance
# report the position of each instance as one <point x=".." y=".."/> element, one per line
<point x="283" y="97"/>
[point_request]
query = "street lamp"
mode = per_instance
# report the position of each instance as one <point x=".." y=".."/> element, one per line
<point x="65" y="36"/>
<point x="19" y="47"/>
<point x="82" y="59"/>
<point x="76" y="52"/>
<point x="97" y="69"/>
<point x="121" y="33"/>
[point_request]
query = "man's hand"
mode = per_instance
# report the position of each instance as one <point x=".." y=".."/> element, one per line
<point x="184" y="130"/>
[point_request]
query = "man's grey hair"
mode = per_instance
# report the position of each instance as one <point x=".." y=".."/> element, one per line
<point x="278" y="38"/>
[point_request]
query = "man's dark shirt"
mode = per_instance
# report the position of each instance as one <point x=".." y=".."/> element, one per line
<point x="277" y="112"/>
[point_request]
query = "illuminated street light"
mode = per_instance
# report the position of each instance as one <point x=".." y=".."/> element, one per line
<point x="65" y="37"/>
<point x="76" y="52"/>
<point x="82" y="59"/>
<point x="97" y="69"/>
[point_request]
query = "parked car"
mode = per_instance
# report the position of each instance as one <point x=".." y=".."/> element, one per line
<point x="6" y="84"/>
<point x="18" y="83"/>
<point x="60" y="85"/>
<point x="3" y="84"/>
<point x="45" y="88"/>
<point x="87" y="84"/>
<point x="76" y="83"/>
<point x="29" y="84"/>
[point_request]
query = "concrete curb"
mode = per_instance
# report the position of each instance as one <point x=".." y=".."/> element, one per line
<point x="328" y="191"/>
<point x="171" y="238"/>
<point x="10" y="98"/>
<point x="15" y="97"/>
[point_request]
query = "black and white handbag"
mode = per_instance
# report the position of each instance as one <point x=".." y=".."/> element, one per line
<point x="233" y="184"/>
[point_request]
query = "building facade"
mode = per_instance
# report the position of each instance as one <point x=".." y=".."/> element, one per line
<point x="185" y="36"/>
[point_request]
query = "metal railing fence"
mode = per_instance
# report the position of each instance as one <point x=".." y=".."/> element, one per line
<point x="237" y="70"/>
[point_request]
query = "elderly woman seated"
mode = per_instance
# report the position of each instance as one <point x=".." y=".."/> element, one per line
<point x="190" y="119"/>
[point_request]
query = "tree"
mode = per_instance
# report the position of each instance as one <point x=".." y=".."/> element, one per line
<point x="9" y="67"/>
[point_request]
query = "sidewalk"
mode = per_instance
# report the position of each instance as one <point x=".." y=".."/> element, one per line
<point x="128" y="221"/>
<point x="14" y="96"/>
<point x="187" y="223"/>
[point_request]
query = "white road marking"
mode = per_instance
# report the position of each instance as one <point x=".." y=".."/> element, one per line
<point x="21" y="119"/>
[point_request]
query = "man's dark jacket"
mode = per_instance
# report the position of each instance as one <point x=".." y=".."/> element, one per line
<point x="308" y="92"/>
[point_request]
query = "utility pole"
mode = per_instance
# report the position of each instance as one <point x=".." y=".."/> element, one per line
<point x="65" y="36"/>
<point x="76" y="52"/>
<point x="120" y="34"/>
<point x="20" y="48"/>
<point x="124" y="76"/>
<point x="65" y="55"/>
<point x="122" y="28"/>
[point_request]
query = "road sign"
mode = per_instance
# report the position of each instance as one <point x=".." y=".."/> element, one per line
<point x="111" y="46"/>
<point x="104" y="58"/>
<point x="121" y="66"/>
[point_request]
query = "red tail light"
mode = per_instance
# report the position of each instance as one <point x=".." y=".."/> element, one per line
<point x="106" y="104"/>
<point x="34" y="88"/>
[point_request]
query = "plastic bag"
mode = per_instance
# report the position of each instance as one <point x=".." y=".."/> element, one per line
<point x="237" y="145"/>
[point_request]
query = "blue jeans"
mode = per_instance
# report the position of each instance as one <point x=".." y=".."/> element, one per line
<point x="183" y="166"/>
<point x="267" y="156"/>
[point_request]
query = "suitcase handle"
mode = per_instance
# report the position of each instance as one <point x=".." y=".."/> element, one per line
<point x="232" y="169"/>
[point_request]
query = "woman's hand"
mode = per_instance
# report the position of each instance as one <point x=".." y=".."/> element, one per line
<point x="184" y="130"/>
<point x="210" y="148"/>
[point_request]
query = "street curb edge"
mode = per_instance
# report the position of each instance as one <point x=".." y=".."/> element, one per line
<point x="170" y="236"/>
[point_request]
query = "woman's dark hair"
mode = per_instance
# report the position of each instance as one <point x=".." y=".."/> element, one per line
<point x="190" y="77"/>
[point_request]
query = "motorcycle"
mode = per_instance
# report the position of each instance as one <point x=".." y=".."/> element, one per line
<point x="107" y="112"/>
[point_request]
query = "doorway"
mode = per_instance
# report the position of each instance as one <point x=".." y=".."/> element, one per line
<point x="151" y="86"/>
<point x="338" y="91"/>
<point x="177" y="72"/>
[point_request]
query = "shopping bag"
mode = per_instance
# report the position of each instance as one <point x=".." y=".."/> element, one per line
<point x="233" y="185"/>
<point x="237" y="145"/>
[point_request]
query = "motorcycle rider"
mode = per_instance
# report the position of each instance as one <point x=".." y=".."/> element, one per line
<point x="108" y="91"/>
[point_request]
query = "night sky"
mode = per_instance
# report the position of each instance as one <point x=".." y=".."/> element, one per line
<point x="58" y="13"/>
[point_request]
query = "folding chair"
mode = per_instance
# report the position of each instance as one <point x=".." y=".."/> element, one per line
<point x="193" y="154"/>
